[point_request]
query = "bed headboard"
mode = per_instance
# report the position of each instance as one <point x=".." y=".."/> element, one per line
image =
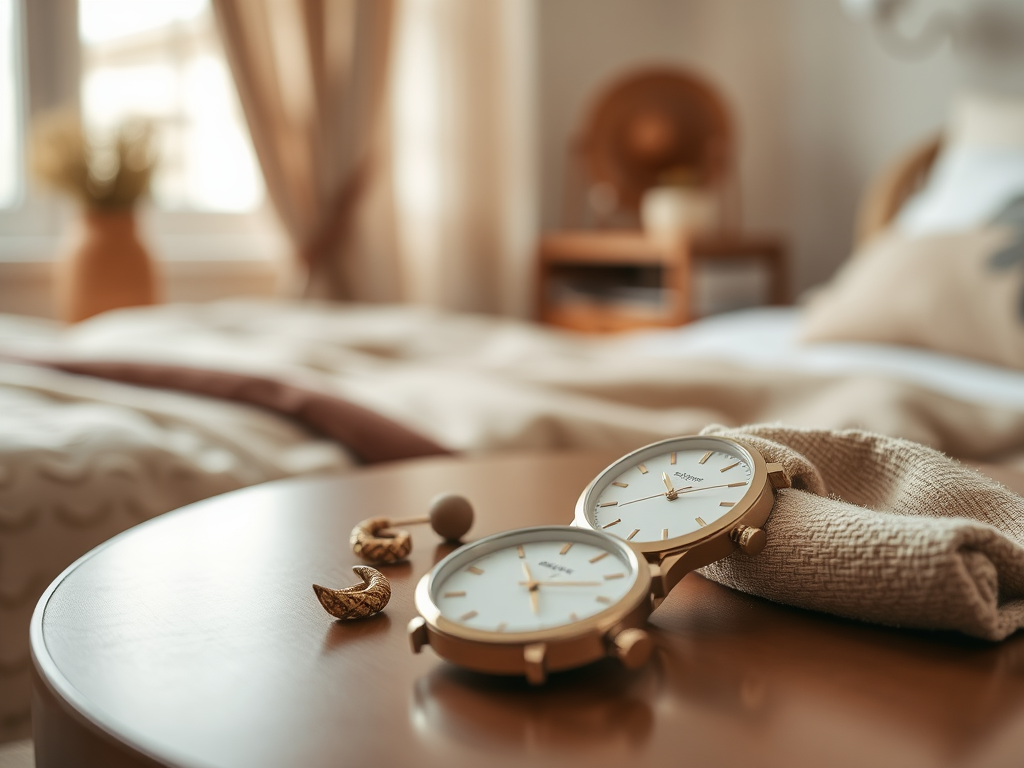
<point x="891" y="189"/>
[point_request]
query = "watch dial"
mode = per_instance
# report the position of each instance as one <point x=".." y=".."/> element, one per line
<point x="671" y="494"/>
<point x="532" y="585"/>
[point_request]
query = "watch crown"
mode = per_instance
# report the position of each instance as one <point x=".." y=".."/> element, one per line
<point x="633" y="647"/>
<point x="750" y="540"/>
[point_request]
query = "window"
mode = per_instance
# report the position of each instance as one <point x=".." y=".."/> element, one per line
<point x="10" y="144"/>
<point x="161" y="59"/>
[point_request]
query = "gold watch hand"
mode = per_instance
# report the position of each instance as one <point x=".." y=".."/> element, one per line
<point x="672" y="494"/>
<point x="645" y="498"/>
<point x="562" y="583"/>
<point x="690" y="489"/>
<point x="532" y="586"/>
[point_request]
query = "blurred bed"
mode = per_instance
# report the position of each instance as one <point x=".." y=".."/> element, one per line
<point x="139" y="411"/>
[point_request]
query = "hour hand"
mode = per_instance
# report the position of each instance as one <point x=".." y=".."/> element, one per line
<point x="672" y="494"/>
<point x="532" y="586"/>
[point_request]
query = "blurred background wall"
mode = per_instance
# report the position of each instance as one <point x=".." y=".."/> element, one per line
<point x="819" y="107"/>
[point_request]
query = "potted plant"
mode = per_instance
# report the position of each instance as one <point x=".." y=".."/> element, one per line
<point x="105" y="265"/>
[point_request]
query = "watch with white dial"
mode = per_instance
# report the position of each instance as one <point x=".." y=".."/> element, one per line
<point x="537" y="600"/>
<point x="684" y="502"/>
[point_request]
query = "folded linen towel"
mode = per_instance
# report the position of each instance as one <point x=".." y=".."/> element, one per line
<point x="884" y="530"/>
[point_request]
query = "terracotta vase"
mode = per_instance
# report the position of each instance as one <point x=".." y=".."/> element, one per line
<point x="105" y="267"/>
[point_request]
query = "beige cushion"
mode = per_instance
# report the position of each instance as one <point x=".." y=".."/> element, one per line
<point x="942" y="292"/>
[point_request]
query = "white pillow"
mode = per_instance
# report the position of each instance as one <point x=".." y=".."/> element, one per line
<point x="979" y="171"/>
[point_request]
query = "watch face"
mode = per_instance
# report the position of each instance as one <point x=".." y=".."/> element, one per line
<point x="679" y="487"/>
<point x="533" y="579"/>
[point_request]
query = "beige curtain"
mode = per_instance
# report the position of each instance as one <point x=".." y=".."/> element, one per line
<point x="465" y="175"/>
<point x="313" y="80"/>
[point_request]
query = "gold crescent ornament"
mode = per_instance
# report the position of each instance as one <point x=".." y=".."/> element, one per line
<point x="358" y="602"/>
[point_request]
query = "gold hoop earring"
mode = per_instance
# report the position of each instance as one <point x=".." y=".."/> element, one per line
<point x="380" y="540"/>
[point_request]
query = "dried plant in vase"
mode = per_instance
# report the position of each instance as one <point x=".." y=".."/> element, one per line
<point x="106" y="266"/>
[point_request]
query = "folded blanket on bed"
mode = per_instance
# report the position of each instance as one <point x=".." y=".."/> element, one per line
<point x="884" y="530"/>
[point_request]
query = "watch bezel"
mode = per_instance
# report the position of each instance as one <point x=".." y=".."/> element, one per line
<point x="752" y="509"/>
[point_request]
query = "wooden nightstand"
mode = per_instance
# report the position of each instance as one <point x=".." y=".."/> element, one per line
<point x="601" y="281"/>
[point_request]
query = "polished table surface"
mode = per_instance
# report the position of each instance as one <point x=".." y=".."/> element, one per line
<point x="196" y="640"/>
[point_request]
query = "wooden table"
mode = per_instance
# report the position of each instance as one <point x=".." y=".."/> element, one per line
<point x="195" y="640"/>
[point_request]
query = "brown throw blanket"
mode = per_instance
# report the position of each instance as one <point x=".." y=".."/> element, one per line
<point x="885" y="530"/>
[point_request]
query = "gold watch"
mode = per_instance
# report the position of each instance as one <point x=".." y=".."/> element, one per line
<point x="538" y="600"/>
<point x="683" y="503"/>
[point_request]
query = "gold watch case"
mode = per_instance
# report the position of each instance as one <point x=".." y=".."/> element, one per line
<point x="739" y="528"/>
<point x="615" y="631"/>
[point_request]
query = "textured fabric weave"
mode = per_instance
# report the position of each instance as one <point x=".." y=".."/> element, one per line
<point x="884" y="530"/>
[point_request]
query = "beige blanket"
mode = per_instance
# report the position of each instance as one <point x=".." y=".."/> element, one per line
<point x="468" y="384"/>
<point x="885" y="530"/>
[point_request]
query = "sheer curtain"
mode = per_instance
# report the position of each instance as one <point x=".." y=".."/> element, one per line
<point x="464" y="152"/>
<point x="396" y="140"/>
<point x="313" y="80"/>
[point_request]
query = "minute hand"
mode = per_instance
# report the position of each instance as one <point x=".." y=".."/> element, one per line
<point x="707" y="487"/>
<point x="645" y="498"/>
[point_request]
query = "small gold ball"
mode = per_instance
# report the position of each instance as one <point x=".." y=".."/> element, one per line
<point x="451" y="516"/>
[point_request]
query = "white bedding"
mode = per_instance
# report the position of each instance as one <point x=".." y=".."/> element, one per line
<point x="83" y="459"/>
<point x="768" y="338"/>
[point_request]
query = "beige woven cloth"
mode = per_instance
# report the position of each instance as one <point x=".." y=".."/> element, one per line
<point x="884" y="530"/>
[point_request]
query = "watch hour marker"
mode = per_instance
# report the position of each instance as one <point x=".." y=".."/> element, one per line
<point x="603" y="599"/>
<point x="664" y="534"/>
<point x="726" y="469"/>
<point x="467" y="616"/>
<point x="621" y="485"/>
<point x="573" y="616"/>
<point x="611" y="576"/>
<point x="727" y="504"/>
<point x="705" y="457"/>
<point x="642" y="468"/>
<point x="474" y="570"/>
<point x="454" y="594"/>
<point x="736" y="485"/>
<point x="519" y="549"/>
<point x="634" y="533"/>
<point x="501" y="627"/>
<point x="565" y="549"/>
<point x="608" y="504"/>
<point x="700" y="522"/>
<point x="616" y="521"/>
<point x="672" y="458"/>
<point x="602" y="556"/>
